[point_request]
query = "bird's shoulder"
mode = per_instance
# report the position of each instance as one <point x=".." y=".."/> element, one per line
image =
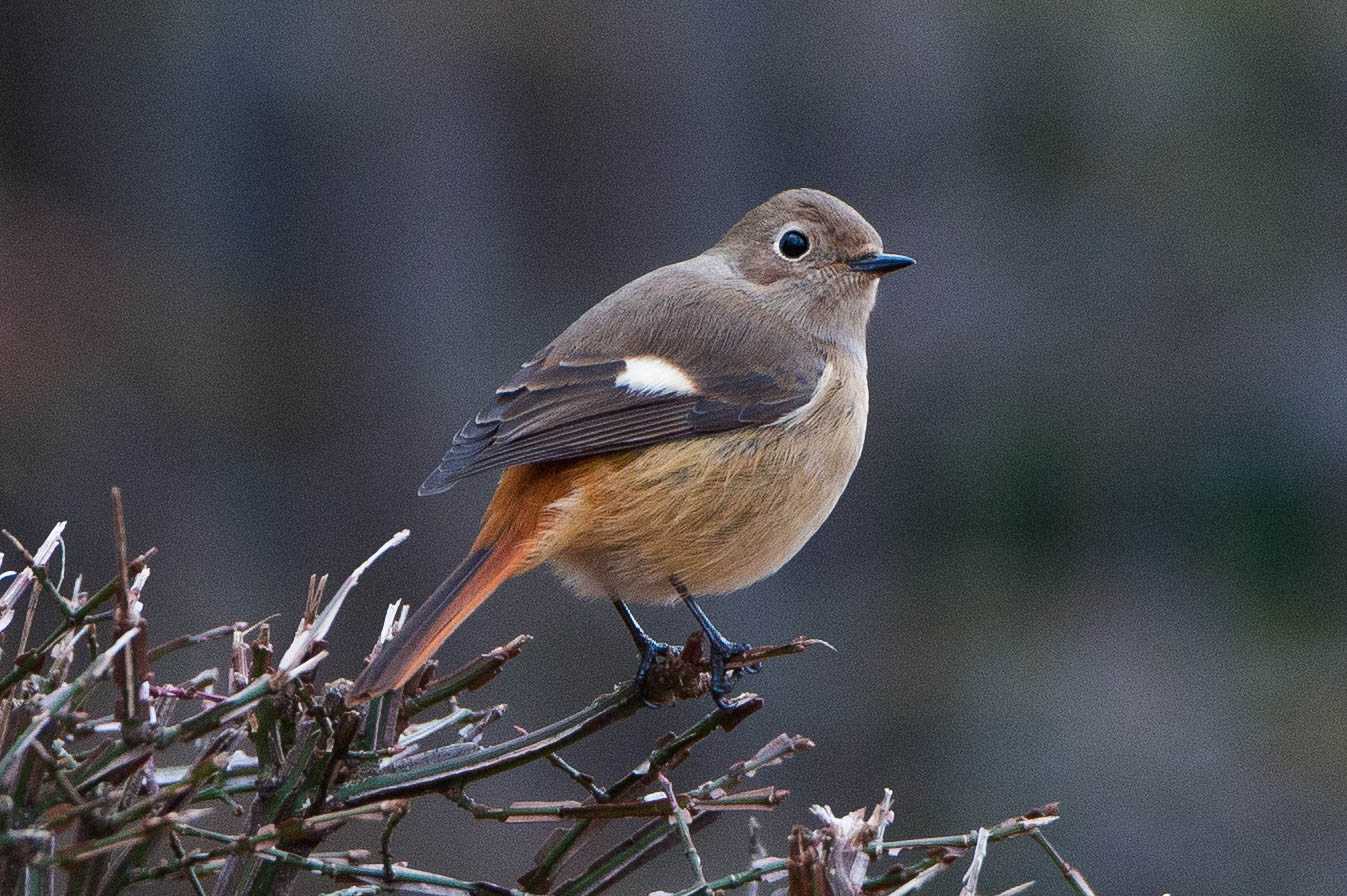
<point x="697" y="315"/>
<point x="681" y="352"/>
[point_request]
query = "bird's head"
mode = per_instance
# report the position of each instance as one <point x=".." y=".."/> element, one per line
<point x="811" y="256"/>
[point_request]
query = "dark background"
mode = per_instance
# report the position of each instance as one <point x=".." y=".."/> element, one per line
<point x="259" y="264"/>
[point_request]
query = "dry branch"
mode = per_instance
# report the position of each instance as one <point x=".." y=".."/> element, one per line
<point x="111" y="778"/>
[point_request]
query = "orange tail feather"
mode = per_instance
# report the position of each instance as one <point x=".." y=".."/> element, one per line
<point x="480" y="574"/>
<point x="504" y="548"/>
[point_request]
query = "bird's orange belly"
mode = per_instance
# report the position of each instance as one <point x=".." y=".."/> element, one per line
<point x="716" y="514"/>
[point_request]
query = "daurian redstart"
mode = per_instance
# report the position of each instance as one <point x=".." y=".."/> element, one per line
<point x="686" y="436"/>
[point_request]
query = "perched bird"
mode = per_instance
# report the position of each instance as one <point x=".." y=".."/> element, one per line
<point x="684" y="437"/>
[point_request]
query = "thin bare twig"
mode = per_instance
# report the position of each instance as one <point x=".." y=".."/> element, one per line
<point x="159" y="651"/>
<point x="682" y="819"/>
<point x="685" y="678"/>
<point x="28" y="663"/>
<point x="1073" y="875"/>
<point x="132" y="667"/>
<point x="667" y="754"/>
<point x="624" y="858"/>
<point x="473" y="675"/>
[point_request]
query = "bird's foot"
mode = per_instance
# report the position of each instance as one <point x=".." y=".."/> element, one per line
<point x="650" y="651"/>
<point x="719" y="648"/>
<point x="721" y="651"/>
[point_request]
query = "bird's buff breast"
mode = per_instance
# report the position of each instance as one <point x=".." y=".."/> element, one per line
<point x="716" y="513"/>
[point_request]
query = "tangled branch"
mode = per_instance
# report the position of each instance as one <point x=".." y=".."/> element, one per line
<point x="112" y="777"/>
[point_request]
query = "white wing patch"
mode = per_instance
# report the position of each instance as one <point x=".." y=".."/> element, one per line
<point x="649" y="375"/>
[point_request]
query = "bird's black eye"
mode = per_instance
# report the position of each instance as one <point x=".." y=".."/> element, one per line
<point x="792" y="244"/>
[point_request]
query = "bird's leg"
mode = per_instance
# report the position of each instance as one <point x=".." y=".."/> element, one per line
<point x="648" y="646"/>
<point x="719" y="647"/>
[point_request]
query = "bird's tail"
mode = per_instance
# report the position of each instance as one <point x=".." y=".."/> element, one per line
<point x="505" y="548"/>
<point x="480" y="573"/>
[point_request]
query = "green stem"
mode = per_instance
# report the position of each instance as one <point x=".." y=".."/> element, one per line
<point x="622" y="859"/>
<point x="1072" y="874"/>
<point x="469" y="677"/>
<point x="682" y="820"/>
<point x="627" y="856"/>
<point x="194" y="726"/>
<point x="455" y="771"/>
<point x="341" y="871"/>
<point x="1012" y="827"/>
<point x="57" y="700"/>
<point x="763" y="799"/>
<point x="209" y="719"/>
<point x="160" y="651"/>
<point x="668" y="753"/>
<point x="31" y="661"/>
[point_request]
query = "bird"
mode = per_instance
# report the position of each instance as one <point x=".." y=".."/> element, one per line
<point x="683" y="438"/>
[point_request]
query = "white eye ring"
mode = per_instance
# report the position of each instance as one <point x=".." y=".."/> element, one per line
<point x="781" y="234"/>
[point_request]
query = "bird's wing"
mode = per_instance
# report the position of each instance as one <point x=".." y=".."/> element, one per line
<point x="693" y="365"/>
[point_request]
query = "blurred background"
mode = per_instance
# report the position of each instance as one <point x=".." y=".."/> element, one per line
<point x="259" y="263"/>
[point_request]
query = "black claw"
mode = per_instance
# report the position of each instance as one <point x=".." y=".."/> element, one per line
<point x="649" y="651"/>
<point x="648" y="646"/>
<point x="720" y="649"/>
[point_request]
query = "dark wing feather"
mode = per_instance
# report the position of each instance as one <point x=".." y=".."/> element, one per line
<point x="595" y="416"/>
<point x="566" y="403"/>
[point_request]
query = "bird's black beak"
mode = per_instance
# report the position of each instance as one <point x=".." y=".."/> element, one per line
<point x="879" y="263"/>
